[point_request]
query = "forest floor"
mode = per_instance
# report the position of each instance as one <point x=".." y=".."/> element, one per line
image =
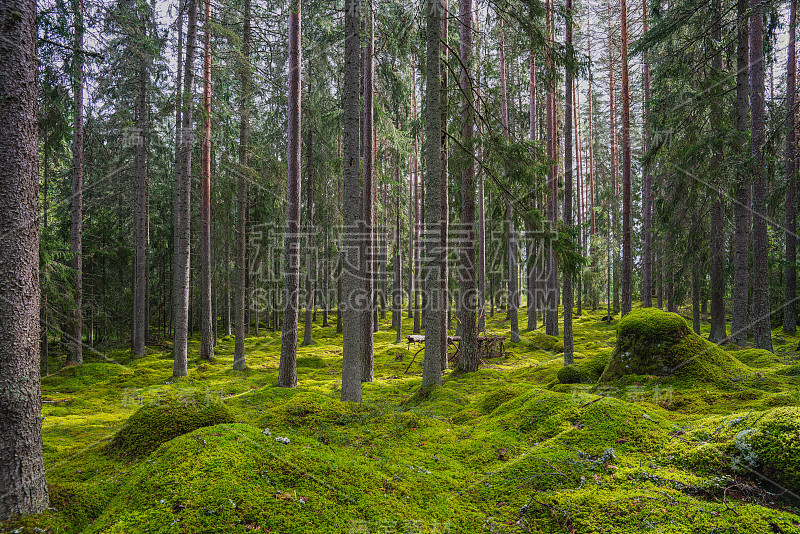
<point x="508" y="449"/>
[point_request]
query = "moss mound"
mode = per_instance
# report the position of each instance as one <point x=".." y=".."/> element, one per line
<point x="773" y="447"/>
<point x="653" y="342"/>
<point x="233" y="478"/>
<point x="158" y="422"/>
<point x="569" y="374"/>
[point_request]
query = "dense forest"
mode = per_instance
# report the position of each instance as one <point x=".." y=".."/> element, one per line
<point x="379" y="266"/>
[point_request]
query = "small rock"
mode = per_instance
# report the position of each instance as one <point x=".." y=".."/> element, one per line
<point x="266" y="432"/>
<point x="281" y="439"/>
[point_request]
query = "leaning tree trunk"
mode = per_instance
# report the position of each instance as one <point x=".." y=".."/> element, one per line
<point x="182" y="212"/>
<point x="468" y="357"/>
<point x="762" y="335"/>
<point x="75" y="346"/>
<point x="627" y="226"/>
<point x="741" y="261"/>
<point x="239" y="363"/>
<point x="568" y="296"/>
<point x="287" y="370"/>
<point x="22" y="477"/>
<point x="352" y="339"/>
<point x="206" y="315"/>
<point x="790" y="307"/>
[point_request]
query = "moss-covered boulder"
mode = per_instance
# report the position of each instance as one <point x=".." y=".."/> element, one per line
<point x="158" y="422"/>
<point x="654" y="342"/>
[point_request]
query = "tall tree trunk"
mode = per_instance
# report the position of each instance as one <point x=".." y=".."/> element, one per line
<point x="741" y="265"/>
<point x="182" y="212"/>
<point x="22" y="475"/>
<point x="368" y="238"/>
<point x="206" y="315"/>
<point x="308" y="327"/>
<point x="444" y="194"/>
<point x="790" y="306"/>
<point x="717" y="333"/>
<point x="532" y="268"/>
<point x="647" y="186"/>
<point x="44" y="321"/>
<point x="568" y="296"/>
<point x="75" y="346"/>
<point x="579" y="203"/>
<point x="397" y="282"/>
<point x="140" y="322"/>
<point x="239" y="362"/>
<point x="627" y="225"/>
<point x="326" y="276"/>
<point x="551" y="317"/>
<point x="434" y="265"/>
<point x="481" y="196"/>
<point x="762" y="335"/>
<point x="512" y="312"/>
<point x="412" y="200"/>
<point x="287" y="371"/>
<point x="352" y="338"/>
<point x="468" y="357"/>
<point x="613" y="216"/>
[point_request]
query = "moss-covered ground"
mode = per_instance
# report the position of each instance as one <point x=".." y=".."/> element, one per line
<point x="509" y="449"/>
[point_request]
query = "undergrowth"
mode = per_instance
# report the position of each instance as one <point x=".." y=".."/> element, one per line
<point x="519" y="446"/>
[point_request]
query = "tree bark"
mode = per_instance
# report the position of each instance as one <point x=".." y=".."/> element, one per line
<point x="739" y="322"/>
<point x="762" y="335"/>
<point x="444" y="194"/>
<point x="75" y="345"/>
<point x="532" y="270"/>
<point x="287" y="371"/>
<point x="790" y="306"/>
<point x="352" y="339"/>
<point x="239" y="362"/>
<point x="22" y="475"/>
<point x="647" y="186"/>
<point x="434" y="264"/>
<point x="568" y="296"/>
<point x="551" y="316"/>
<point x="468" y="357"/>
<point x="182" y="211"/>
<point x="627" y="224"/>
<point x="718" y="328"/>
<point x="140" y="319"/>
<point x="206" y="314"/>
<point x="368" y="238"/>
<point x="308" y="327"/>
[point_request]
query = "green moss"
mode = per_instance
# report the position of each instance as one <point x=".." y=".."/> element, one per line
<point x="591" y="367"/>
<point x="569" y="374"/>
<point x="757" y="358"/>
<point x="159" y="422"/>
<point x="653" y="342"/>
<point x="505" y="449"/>
<point x="776" y="445"/>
